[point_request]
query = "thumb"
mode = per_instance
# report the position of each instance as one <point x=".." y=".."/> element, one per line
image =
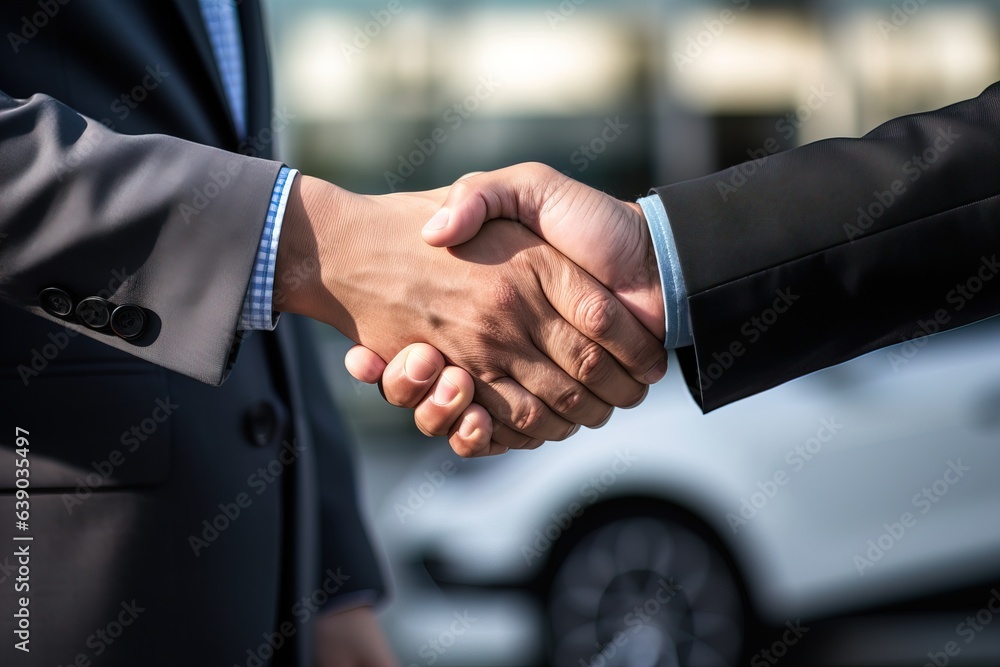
<point x="479" y="197"/>
<point x="459" y="220"/>
<point x="461" y="216"/>
<point x="446" y="229"/>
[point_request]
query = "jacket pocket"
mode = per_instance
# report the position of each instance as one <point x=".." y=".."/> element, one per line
<point x="90" y="427"/>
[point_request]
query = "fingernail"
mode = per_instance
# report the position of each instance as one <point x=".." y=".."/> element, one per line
<point x="417" y="368"/>
<point x="445" y="392"/>
<point x="656" y="373"/>
<point x="467" y="428"/>
<point x="439" y="221"/>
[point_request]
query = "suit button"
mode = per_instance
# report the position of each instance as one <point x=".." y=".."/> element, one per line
<point x="94" y="312"/>
<point x="128" y="321"/>
<point x="56" y="302"/>
<point x="261" y="422"/>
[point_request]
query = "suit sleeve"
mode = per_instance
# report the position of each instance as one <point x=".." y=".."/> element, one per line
<point x="811" y="257"/>
<point x="154" y="222"/>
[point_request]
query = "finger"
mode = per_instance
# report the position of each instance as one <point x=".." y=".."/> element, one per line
<point x="510" y="403"/>
<point x="515" y="193"/>
<point x="599" y="316"/>
<point x="411" y="374"/>
<point x="471" y="435"/>
<point x="493" y="448"/>
<point x="364" y="365"/>
<point x="502" y="400"/>
<point x="553" y="374"/>
<point x="508" y="437"/>
<point x="439" y="411"/>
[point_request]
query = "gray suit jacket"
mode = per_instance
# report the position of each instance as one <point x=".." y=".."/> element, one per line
<point x="171" y="517"/>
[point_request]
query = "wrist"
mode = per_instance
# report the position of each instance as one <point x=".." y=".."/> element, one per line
<point x="316" y="232"/>
<point x="651" y="265"/>
<point x="649" y="305"/>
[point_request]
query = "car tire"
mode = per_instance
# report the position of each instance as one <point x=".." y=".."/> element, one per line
<point x="652" y="590"/>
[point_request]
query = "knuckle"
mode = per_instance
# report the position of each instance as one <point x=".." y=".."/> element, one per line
<point x="528" y="417"/>
<point x="570" y="399"/>
<point x="539" y="170"/>
<point x="598" y="312"/>
<point x="504" y="297"/>
<point x="464" y="186"/>
<point x="594" y="364"/>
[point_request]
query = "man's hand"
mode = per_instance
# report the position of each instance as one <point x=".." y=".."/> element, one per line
<point x="547" y="347"/>
<point x="607" y="237"/>
<point x="352" y="639"/>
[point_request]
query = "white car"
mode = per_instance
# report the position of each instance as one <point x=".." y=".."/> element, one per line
<point x="755" y="532"/>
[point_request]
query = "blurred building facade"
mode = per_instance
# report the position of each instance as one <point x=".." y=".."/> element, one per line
<point x="411" y="94"/>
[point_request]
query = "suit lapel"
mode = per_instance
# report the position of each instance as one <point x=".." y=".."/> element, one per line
<point x="191" y="14"/>
<point x="258" y="71"/>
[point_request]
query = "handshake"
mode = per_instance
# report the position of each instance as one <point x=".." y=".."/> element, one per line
<point x="502" y="335"/>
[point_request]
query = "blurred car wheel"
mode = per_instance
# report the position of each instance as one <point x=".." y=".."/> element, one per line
<point x="645" y="591"/>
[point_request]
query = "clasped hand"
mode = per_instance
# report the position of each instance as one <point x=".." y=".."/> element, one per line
<point x="497" y="338"/>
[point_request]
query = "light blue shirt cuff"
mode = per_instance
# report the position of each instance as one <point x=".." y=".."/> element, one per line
<point x="258" y="304"/>
<point x="675" y="299"/>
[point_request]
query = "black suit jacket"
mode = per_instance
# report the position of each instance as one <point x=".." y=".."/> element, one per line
<point x="811" y="257"/>
<point x="113" y="129"/>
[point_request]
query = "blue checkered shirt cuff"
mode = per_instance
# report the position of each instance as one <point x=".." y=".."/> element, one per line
<point x="258" y="304"/>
